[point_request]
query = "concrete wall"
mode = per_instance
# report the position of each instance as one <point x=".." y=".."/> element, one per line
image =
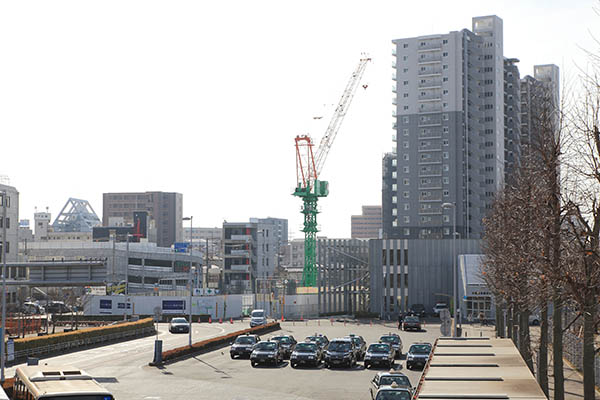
<point x="144" y="305"/>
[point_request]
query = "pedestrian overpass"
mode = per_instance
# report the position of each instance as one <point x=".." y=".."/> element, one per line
<point x="90" y="272"/>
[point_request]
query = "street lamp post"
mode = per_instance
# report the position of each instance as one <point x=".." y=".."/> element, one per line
<point x="2" y="336"/>
<point x="190" y="278"/>
<point x="454" y="274"/>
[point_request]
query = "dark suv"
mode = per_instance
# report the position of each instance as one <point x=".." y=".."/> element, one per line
<point x="340" y="352"/>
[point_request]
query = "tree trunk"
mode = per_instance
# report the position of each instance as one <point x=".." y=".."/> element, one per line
<point x="524" y="339"/>
<point x="543" y="351"/>
<point x="557" y="347"/>
<point x="589" y="380"/>
<point x="499" y="321"/>
<point x="515" y="325"/>
<point x="509" y="322"/>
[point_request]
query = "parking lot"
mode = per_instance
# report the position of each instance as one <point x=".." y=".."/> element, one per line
<point x="216" y="375"/>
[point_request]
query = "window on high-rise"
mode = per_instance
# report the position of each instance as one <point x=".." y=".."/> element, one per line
<point x="446" y="193"/>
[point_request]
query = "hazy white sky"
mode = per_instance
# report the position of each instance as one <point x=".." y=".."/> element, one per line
<point x="205" y="97"/>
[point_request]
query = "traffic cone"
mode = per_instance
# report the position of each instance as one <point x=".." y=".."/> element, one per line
<point x="209" y="320"/>
<point x="231" y="320"/>
<point x="220" y="320"/>
<point x="301" y="318"/>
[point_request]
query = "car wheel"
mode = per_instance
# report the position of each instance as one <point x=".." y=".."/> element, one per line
<point x="292" y="365"/>
<point x="232" y="356"/>
<point x="253" y="364"/>
<point x="367" y="365"/>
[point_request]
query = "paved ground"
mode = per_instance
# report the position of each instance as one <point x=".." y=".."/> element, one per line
<point x="123" y="368"/>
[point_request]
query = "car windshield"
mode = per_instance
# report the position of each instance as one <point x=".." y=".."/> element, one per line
<point x="390" y="339"/>
<point x="318" y="339"/>
<point x="282" y="339"/>
<point x="420" y="349"/>
<point x="393" y="395"/>
<point x="179" y="321"/>
<point x="266" y="346"/>
<point x="387" y="380"/>
<point x="245" y="340"/>
<point x="306" y="347"/>
<point x="441" y="306"/>
<point x="411" y="319"/>
<point x="356" y="341"/>
<point x="258" y="314"/>
<point x="379" y="348"/>
<point x="340" y="346"/>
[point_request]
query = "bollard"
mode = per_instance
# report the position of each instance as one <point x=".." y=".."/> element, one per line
<point x="319" y="322"/>
<point x="480" y="334"/>
<point x="231" y="320"/>
<point x="331" y="320"/>
<point x="371" y="323"/>
<point x="306" y="322"/>
<point x="220" y="320"/>
<point x="157" y="352"/>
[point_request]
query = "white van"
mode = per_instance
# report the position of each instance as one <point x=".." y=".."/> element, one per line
<point x="258" y="317"/>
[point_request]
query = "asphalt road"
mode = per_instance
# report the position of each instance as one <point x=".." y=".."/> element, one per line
<point x="123" y="368"/>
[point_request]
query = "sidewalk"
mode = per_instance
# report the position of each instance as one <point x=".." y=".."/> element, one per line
<point x="573" y="379"/>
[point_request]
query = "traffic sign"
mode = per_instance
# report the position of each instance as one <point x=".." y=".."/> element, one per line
<point x="445" y="327"/>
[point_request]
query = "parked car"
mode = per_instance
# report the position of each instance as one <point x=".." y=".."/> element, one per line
<point x="257" y="318"/>
<point x="287" y="343"/>
<point x="394" y="341"/>
<point x="340" y="352"/>
<point x="32" y="308"/>
<point x="306" y="353"/>
<point x="179" y="325"/>
<point x="266" y="352"/>
<point x="417" y="355"/>
<point x="243" y="345"/>
<point x="320" y="339"/>
<point x="360" y="344"/>
<point x="392" y="392"/>
<point x="380" y="354"/>
<point x="534" y="319"/>
<point x="438" y="308"/>
<point x="389" y="378"/>
<point x="418" y="310"/>
<point x="411" y="322"/>
<point x="57" y="307"/>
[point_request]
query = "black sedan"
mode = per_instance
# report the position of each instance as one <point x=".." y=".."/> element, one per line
<point x="306" y="353"/>
<point x="287" y="343"/>
<point x="243" y="345"/>
<point x="380" y="354"/>
<point x="361" y="346"/>
<point x="411" y="323"/>
<point x="266" y="353"/>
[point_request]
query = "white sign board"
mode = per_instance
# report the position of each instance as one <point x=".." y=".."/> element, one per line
<point x="10" y="350"/>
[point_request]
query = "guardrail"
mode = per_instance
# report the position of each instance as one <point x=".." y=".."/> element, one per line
<point x="73" y="344"/>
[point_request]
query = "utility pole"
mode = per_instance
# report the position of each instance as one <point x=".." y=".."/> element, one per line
<point x="207" y="266"/>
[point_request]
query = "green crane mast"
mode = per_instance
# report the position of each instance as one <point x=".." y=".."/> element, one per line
<point x="308" y="168"/>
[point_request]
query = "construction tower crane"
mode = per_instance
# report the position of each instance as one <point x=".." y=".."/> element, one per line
<point x="309" y="166"/>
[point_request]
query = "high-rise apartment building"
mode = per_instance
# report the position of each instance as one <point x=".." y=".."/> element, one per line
<point x="450" y="128"/>
<point x="367" y="225"/>
<point x="164" y="208"/>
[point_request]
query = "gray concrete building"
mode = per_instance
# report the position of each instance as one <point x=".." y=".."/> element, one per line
<point x="406" y="272"/>
<point x="449" y="123"/>
<point x="9" y="200"/>
<point x="543" y="87"/>
<point x="164" y="209"/>
<point x="251" y="252"/>
<point x="367" y="225"/>
<point x="149" y="266"/>
<point x="512" y="117"/>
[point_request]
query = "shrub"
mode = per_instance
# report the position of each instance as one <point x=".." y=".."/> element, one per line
<point x="81" y="334"/>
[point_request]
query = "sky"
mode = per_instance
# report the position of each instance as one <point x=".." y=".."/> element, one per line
<point x="205" y="98"/>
